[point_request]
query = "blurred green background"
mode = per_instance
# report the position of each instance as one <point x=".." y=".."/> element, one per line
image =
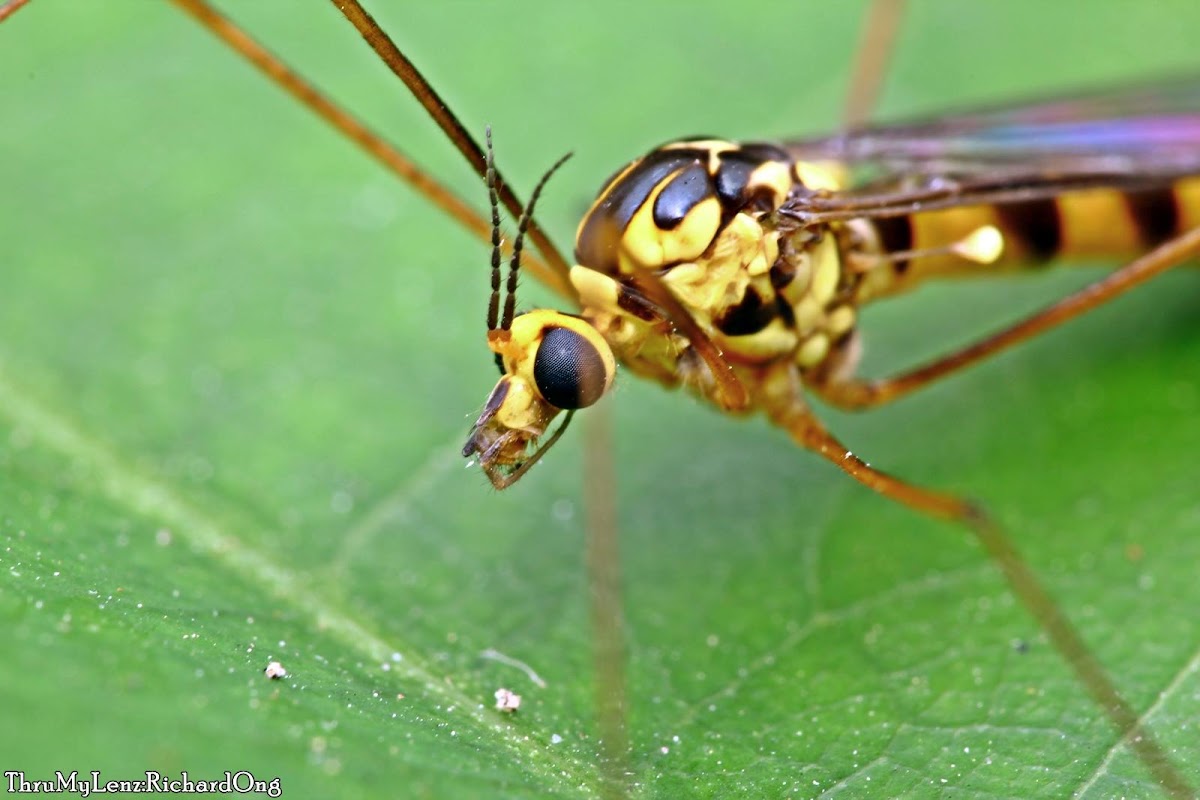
<point x="237" y="361"/>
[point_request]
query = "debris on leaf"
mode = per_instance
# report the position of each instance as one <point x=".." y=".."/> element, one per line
<point x="507" y="701"/>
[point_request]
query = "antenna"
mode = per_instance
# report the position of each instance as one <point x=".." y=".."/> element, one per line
<point x="494" y="302"/>
<point x="514" y="264"/>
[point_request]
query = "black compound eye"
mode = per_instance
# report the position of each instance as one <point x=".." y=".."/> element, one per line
<point x="568" y="370"/>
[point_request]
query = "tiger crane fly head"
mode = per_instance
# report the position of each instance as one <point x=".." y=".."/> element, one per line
<point x="549" y="362"/>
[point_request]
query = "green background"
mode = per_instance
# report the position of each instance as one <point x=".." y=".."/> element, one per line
<point x="237" y="361"/>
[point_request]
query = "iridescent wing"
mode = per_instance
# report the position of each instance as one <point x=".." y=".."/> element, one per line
<point x="1125" y="138"/>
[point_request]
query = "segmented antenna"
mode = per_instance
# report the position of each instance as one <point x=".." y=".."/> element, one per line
<point x="514" y="266"/>
<point x="494" y="302"/>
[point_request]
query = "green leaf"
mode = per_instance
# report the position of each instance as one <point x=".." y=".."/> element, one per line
<point x="237" y="362"/>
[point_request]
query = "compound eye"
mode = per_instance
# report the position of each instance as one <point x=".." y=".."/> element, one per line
<point x="569" y="370"/>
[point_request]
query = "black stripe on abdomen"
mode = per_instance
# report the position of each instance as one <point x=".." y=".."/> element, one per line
<point x="1154" y="212"/>
<point x="895" y="236"/>
<point x="1035" y="224"/>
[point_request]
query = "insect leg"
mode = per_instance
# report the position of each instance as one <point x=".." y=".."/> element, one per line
<point x="870" y="64"/>
<point x="810" y="434"/>
<point x="858" y="393"/>
<point x="605" y="604"/>
<point x="9" y="8"/>
<point x="732" y="394"/>
<point x="439" y="111"/>
<point x="372" y="143"/>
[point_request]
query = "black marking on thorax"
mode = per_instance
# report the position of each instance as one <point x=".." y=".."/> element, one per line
<point x="747" y="317"/>
<point x="733" y="177"/>
<point x="600" y="235"/>
<point x="685" y="191"/>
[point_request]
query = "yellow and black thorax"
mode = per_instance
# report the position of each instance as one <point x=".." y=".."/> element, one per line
<point x="701" y="216"/>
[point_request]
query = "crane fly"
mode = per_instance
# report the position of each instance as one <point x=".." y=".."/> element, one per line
<point x="915" y="168"/>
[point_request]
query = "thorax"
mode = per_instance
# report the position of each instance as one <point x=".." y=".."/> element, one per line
<point x="702" y="218"/>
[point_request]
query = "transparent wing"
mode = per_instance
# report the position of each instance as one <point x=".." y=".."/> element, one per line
<point x="1126" y="138"/>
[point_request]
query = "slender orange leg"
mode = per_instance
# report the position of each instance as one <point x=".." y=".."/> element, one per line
<point x="440" y="112"/>
<point x="733" y="396"/>
<point x="372" y="143"/>
<point x="605" y="606"/>
<point x="11" y="7"/>
<point x="859" y="393"/>
<point x="810" y="434"/>
<point x="870" y="65"/>
<point x="849" y="392"/>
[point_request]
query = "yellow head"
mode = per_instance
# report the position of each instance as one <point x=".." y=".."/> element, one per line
<point x="549" y="362"/>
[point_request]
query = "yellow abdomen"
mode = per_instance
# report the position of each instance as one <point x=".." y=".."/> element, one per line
<point x="1092" y="223"/>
